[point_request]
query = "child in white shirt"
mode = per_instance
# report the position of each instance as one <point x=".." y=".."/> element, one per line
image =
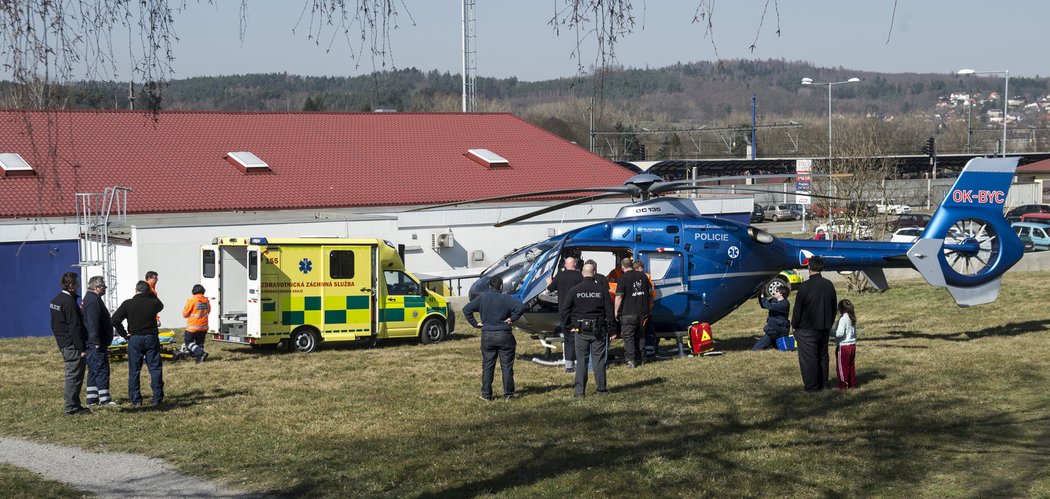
<point x="846" y="345"/>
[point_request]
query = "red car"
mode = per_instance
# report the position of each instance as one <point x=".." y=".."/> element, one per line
<point x="908" y="220"/>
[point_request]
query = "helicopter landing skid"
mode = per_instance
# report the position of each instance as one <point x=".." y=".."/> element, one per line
<point x="549" y="347"/>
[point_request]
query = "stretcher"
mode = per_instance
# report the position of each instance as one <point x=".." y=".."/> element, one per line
<point x="118" y="349"/>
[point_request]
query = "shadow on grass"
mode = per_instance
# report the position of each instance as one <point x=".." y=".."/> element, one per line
<point x="186" y="399"/>
<point x="881" y="443"/>
<point x="1006" y="330"/>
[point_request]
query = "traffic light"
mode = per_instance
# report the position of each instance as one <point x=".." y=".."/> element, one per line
<point x="929" y="149"/>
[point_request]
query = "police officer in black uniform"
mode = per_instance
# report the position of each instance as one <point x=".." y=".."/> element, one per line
<point x="68" y="326"/>
<point x="562" y="283"/>
<point x="498" y="312"/>
<point x="633" y="295"/>
<point x="589" y="311"/>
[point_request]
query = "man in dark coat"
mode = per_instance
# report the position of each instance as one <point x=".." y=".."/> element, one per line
<point x="99" y="336"/>
<point x="813" y="318"/>
<point x="562" y="283"/>
<point x="141" y="313"/>
<point x="68" y="326"/>
<point x="589" y="310"/>
<point x="498" y="312"/>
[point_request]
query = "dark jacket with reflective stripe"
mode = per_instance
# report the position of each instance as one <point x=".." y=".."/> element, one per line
<point x="97" y="321"/>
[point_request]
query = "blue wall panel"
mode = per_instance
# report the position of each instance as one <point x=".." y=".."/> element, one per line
<point x="29" y="275"/>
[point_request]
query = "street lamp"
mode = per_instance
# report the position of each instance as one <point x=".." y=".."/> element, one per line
<point x="831" y="179"/>
<point x="1006" y="94"/>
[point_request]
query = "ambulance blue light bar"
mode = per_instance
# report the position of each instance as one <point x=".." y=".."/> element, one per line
<point x="257" y="240"/>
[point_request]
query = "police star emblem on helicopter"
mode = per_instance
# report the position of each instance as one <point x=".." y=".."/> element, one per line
<point x="693" y="284"/>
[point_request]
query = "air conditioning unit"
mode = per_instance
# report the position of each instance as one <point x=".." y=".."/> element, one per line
<point x="443" y="240"/>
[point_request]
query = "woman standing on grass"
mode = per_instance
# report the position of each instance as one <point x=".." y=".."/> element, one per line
<point x="846" y="345"/>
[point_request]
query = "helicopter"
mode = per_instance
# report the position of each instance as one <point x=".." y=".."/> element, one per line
<point x="704" y="267"/>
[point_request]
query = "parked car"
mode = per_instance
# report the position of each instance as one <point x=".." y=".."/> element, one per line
<point x="906" y="235"/>
<point x="800" y="209"/>
<point x="908" y="220"/>
<point x="757" y="213"/>
<point x="790" y="278"/>
<point x="1039" y="218"/>
<point x="892" y="209"/>
<point x="1039" y="233"/>
<point x="1014" y="215"/>
<point x="860" y="232"/>
<point x="778" y="212"/>
<point x="1029" y="245"/>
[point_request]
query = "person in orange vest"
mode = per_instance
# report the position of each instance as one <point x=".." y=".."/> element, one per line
<point x="614" y="275"/>
<point x="151" y="279"/>
<point x="196" y="313"/>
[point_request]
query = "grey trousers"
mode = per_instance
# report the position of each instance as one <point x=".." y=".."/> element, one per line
<point x="74" y="365"/>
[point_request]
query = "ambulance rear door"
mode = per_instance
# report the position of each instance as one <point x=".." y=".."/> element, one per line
<point x="211" y="279"/>
<point x="253" y="319"/>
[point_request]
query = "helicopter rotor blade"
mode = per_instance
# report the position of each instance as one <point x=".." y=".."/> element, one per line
<point x="619" y="189"/>
<point x="673" y="184"/>
<point x="727" y="190"/>
<point x="556" y="207"/>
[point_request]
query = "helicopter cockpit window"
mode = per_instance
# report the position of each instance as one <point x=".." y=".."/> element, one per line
<point x="513" y="267"/>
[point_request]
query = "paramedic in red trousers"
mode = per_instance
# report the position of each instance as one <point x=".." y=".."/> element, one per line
<point x="633" y="295"/>
<point x="498" y="311"/>
<point x="589" y="311"/>
<point x="196" y="314"/>
<point x="68" y="326"/>
<point x="813" y="318"/>
<point x="99" y="336"/>
<point x="141" y="313"/>
<point x="562" y="283"/>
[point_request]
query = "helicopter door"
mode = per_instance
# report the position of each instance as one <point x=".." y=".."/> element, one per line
<point x="670" y="281"/>
<point x="536" y="280"/>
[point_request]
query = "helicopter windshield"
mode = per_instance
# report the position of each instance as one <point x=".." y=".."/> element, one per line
<point x="513" y="268"/>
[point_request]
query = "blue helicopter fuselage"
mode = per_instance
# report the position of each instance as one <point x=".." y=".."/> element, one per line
<point x="702" y="268"/>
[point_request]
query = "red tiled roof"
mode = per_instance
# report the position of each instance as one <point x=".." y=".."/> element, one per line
<point x="1037" y="167"/>
<point x="318" y="160"/>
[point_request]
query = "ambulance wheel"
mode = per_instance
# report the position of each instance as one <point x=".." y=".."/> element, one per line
<point x="304" y="340"/>
<point x="772" y="285"/>
<point x="433" y="331"/>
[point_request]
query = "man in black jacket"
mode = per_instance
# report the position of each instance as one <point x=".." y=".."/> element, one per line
<point x="141" y="313"/>
<point x="634" y="293"/>
<point x="99" y="336"/>
<point x="68" y="326"/>
<point x="589" y="311"/>
<point x="813" y="318"/>
<point x="498" y="312"/>
<point x="562" y="283"/>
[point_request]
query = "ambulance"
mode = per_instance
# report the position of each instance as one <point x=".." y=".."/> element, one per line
<point x="301" y="292"/>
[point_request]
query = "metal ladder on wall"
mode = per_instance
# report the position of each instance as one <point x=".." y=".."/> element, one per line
<point x="100" y="217"/>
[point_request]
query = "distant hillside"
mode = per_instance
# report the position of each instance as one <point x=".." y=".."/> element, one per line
<point x="679" y="96"/>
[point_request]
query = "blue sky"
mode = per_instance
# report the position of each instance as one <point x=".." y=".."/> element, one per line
<point x="514" y="38"/>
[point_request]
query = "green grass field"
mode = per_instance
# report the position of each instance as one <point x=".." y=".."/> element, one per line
<point x="952" y="402"/>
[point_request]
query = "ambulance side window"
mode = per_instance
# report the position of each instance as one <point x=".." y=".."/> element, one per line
<point x="399" y="284"/>
<point x="341" y="264"/>
<point x="208" y="264"/>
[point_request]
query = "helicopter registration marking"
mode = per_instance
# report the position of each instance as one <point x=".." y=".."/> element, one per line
<point x="733" y="252"/>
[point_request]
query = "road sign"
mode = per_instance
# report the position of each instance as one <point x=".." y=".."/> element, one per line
<point x="803" y="199"/>
<point x="803" y="186"/>
<point x="803" y="166"/>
